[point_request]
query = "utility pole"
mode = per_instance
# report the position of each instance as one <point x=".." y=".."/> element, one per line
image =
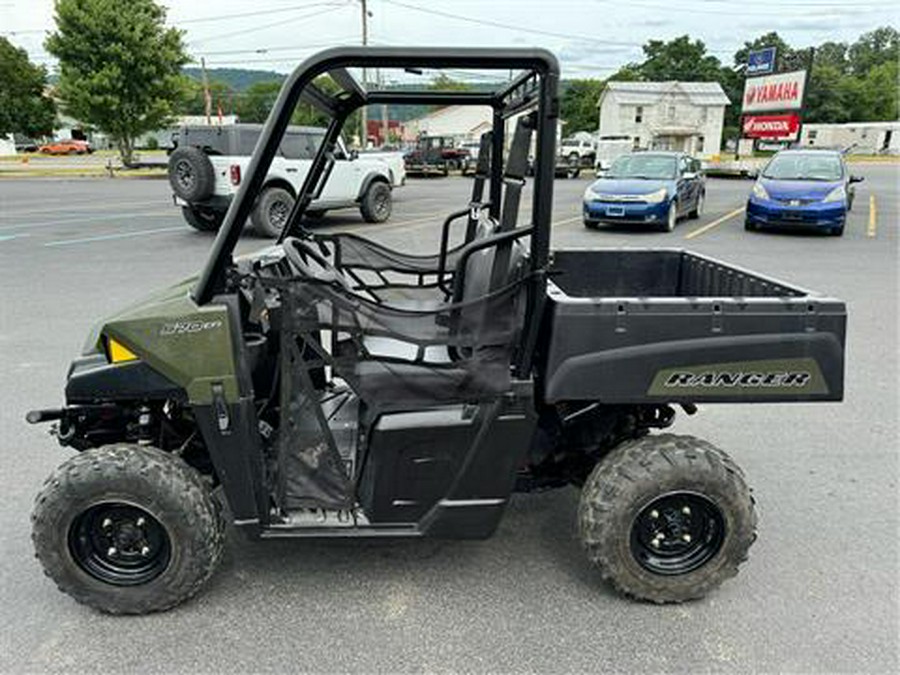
<point x="363" y="137"/>
<point x="207" y="99"/>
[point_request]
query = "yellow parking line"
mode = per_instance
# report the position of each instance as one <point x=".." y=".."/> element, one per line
<point x="717" y="221"/>
<point x="873" y="217"/>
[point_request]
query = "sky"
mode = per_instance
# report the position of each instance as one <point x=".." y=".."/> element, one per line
<point x="592" y="38"/>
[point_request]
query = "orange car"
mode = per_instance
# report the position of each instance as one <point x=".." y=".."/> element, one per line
<point x="67" y="147"/>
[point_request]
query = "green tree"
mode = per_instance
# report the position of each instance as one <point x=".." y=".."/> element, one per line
<point x="578" y="105"/>
<point x="679" y="59"/>
<point x="194" y="102"/>
<point x="442" y="82"/>
<point x="872" y="49"/>
<point x="24" y="109"/>
<point x="120" y="67"/>
<point x="254" y="103"/>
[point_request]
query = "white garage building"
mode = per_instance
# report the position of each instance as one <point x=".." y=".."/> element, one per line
<point x="459" y="121"/>
<point x="683" y="116"/>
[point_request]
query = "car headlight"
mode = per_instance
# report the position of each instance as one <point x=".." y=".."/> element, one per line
<point x="760" y="192"/>
<point x="590" y="194"/>
<point x="655" y="197"/>
<point x="839" y="194"/>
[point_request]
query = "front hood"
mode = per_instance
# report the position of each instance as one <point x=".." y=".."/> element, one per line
<point x="629" y="186"/>
<point x="807" y="190"/>
<point x="189" y="344"/>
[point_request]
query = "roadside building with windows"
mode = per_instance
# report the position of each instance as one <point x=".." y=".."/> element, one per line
<point x="863" y="138"/>
<point x="458" y="121"/>
<point x="681" y="116"/>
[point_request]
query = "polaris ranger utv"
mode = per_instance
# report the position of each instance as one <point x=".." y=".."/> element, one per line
<point x="333" y="387"/>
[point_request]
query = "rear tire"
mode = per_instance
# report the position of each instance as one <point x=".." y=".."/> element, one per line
<point x="749" y="225"/>
<point x="377" y="204"/>
<point x="271" y="211"/>
<point x="680" y="492"/>
<point x="127" y="529"/>
<point x="204" y="220"/>
<point x="191" y="174"/>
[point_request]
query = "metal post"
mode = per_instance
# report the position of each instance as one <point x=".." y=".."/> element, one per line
<point x="207" y="99"/>
<point x="363" y="115"/>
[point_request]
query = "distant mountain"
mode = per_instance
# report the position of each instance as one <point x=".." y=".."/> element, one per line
<point x="237" y="79"/>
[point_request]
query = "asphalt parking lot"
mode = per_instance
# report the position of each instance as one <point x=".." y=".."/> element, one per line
<point x="819" y="593"/>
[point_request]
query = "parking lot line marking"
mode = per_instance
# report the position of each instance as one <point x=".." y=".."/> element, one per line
<point x="118" y="235"/>
<point x="7" y="237"/>
<point x="873" y="217"/>
<point x="565" y="221"/>
<point x="82" y="219"/>
<point x="715" y="223"/>
<point x="91" y="206"/>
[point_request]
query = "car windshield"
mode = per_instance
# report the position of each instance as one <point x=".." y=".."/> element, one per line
<point x="643" y="166"/>
<point x="796" y="166"/>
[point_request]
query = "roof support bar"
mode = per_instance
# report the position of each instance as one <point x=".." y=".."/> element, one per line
<point x="319" y="99"/>
<point x="433" y="97"/>
<point x="347" y="82"/>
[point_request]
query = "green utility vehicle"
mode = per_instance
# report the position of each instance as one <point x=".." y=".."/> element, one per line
<point x="331" y="386"/>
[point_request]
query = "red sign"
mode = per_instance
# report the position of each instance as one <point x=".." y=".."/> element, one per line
<point x="771" y="126"/>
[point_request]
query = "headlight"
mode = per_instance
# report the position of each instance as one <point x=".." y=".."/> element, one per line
<point x="589" y="193"/>
<point x="655" y="197"/>
<point x="117" y="352"/>
<point x="839" y="194"/>
<point x="760" y="192"/>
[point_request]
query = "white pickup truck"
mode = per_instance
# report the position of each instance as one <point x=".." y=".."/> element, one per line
<point x="208" y="163"/>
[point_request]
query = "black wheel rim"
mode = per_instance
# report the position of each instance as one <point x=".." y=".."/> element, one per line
<point x="381" y="204"/>
<point x="120" y="544"/>
<point x="278" y="214"/>
<point x="677" y="533"/>
<point x="184" y="174"/>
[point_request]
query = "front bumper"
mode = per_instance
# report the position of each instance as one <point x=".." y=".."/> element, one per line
<point x="814" y="214"/>
<point x="635" y="213"/>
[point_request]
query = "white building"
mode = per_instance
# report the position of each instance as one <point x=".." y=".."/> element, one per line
<point x="866" y="138"/>
<point x="684" y="116"/>
<point x="458" y="121"/>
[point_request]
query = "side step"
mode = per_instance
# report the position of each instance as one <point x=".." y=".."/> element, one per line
<point x="328" y="523"/>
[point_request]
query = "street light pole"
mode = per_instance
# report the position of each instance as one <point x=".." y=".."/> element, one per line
<point x="365" y="40"/>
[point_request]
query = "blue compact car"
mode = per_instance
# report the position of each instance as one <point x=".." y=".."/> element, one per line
<point x="646" y="188"/>
<point x="802" y="188"/>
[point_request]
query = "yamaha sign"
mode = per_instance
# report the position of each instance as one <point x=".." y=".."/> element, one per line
<point x="782" y="91"/>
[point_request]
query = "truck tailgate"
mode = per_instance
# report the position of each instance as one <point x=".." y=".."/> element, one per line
<point x="666" y="325"/>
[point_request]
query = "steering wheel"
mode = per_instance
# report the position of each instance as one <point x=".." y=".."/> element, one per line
<point x="309" y="262"/>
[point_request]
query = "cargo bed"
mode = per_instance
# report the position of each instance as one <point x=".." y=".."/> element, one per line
<point x="666" y="325"/>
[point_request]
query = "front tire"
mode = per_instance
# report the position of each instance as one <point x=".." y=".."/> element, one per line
<point x="671" y="217"/>
<point x="376" y="204"/>
<point x="667" y="518"/>
<point x="697" y="211"/>
<point x="127" y="529"/>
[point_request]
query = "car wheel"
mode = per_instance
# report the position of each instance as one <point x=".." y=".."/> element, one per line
<point x="590" y="224"/>
<point x="749" y="225"/>
<point x="671" y="217"/>
<point x="698" y="208"/>
<point x="377" y="204"/>
<point x="271" y="211"/>
<point x="191" y="174"/>
<point x="667" y="518"/>
<point x="203" y="220"/>
<point x="837" y="231"/>
<point x="127" y="529"/>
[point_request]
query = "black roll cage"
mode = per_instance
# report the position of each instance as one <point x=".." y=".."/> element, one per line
<point x="535" y="88"/>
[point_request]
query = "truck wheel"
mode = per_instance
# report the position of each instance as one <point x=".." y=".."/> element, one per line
<point x="271" y="211"/>
<point x="377" y="204"/>
<point x="127" y="529"/>
<point x="204" y="220"/>
<point x="191" y="174"/>
<point x="667" y="518"/>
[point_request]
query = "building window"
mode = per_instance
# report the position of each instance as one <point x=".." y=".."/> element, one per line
<point x="638" y="114"/>
<point x="704" y="115"/>
<point x="637" y="142"/>
<point x="812" y="134"/>
<point x="670" y="113"/>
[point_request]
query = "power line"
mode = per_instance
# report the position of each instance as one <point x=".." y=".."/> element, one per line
<point x="242" y="15"/>
<point x="282" y="22"/>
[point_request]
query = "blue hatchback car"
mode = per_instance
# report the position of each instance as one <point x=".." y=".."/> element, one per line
<point x="802" y="188"/>
<point x="646" y="188"/>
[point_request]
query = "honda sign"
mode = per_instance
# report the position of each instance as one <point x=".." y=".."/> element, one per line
<point x="783" y="91"/>
<point x="784" y="127"/>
